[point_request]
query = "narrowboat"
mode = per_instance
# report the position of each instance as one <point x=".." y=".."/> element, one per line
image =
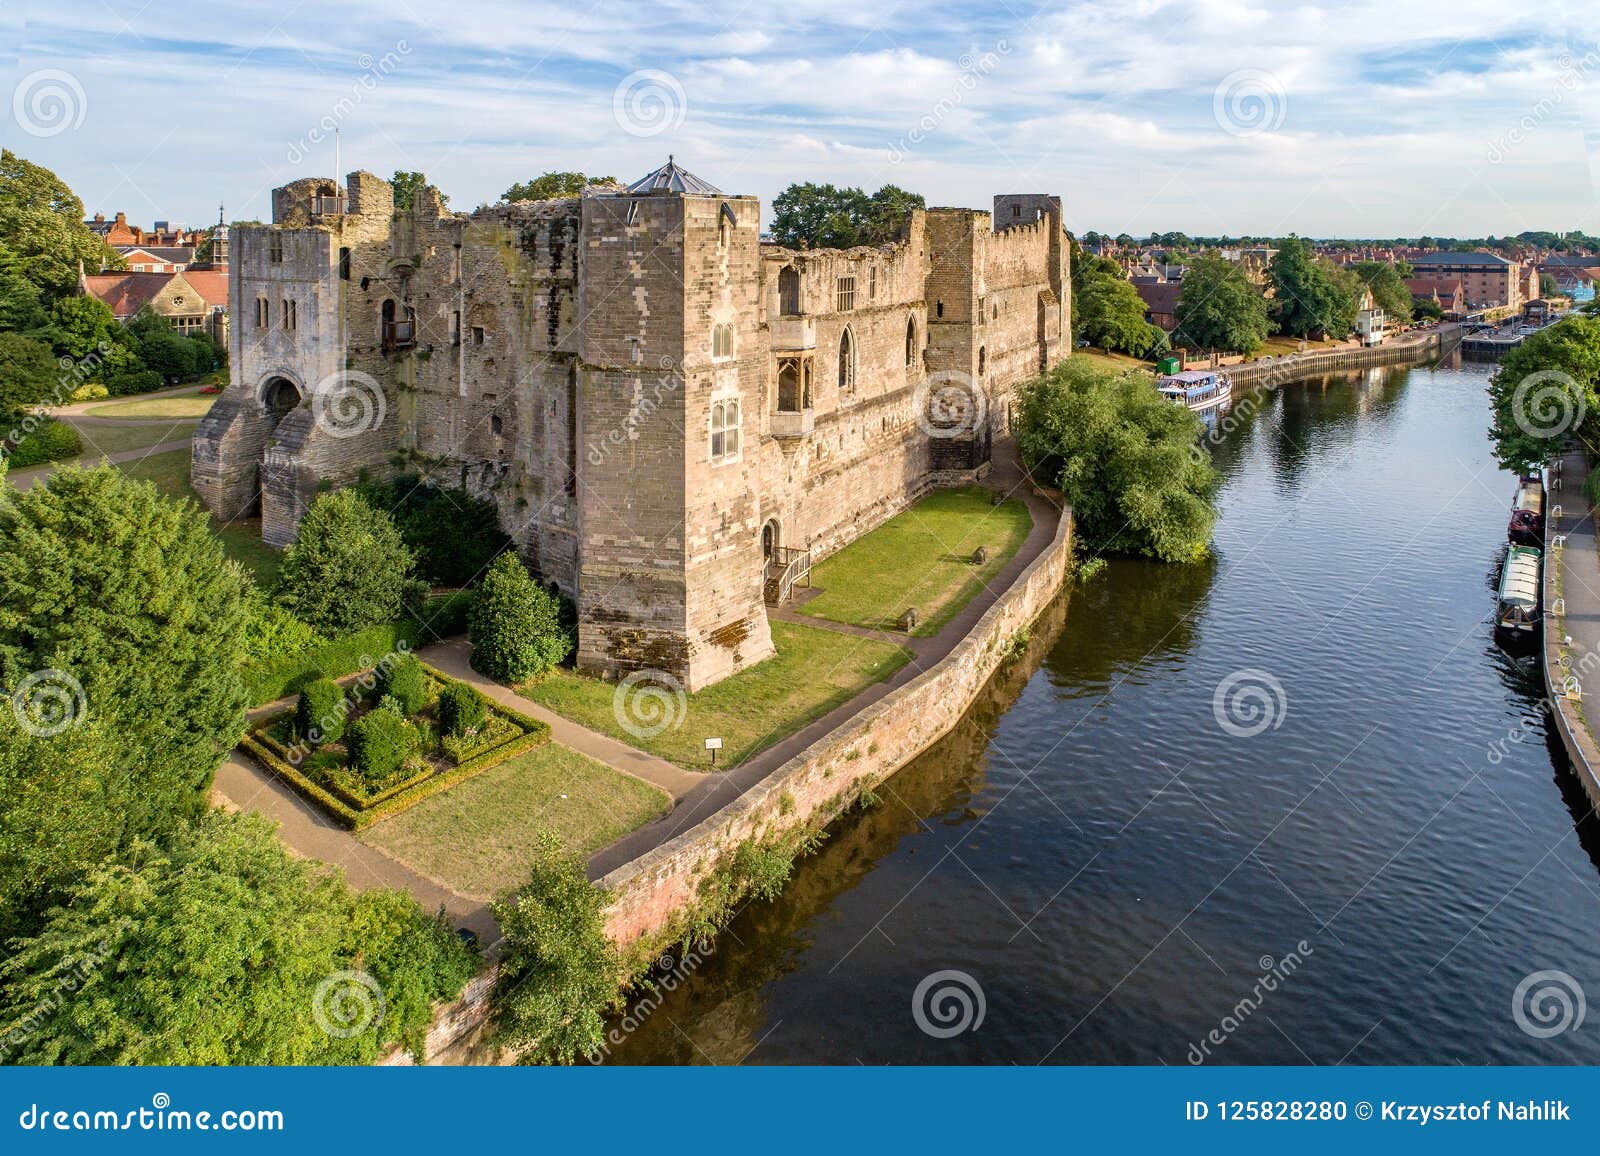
<point x="1526" y="527"/>
<point x="1199" y="389"/>
<point x="1518" y="611"/>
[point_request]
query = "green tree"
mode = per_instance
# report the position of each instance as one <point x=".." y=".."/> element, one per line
<point x="1219" y="308"/>
<point x="81" y="327"/>
<point x="550" y="185"/>
<point x="454" y="534"/>
<point x="41" y="222"/>
<point x="222" y="949"/>
<point x="406" y="187"/>
<point x="515" y="625"/>
<point x="1546" y="389"/>
<point x="107" y="586"/>
<point x="559" y="971"/>
<point x="29" y="376"/>
<point x="811" y="216"/>
<point x="1126" y="459"/>
<point x="348" y="568"/>
<point x="21" y="302"/>
<point x="1388" y="288"/>
<point x="1312" y="298"/>
<point x="1112" y="315"/>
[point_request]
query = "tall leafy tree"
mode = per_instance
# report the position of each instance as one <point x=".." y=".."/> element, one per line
<point x="1125" y="458"/>
<point x="812" y="216"/>
<point x="1112" y="317"/>
<point x="222" y="949"/>
<point x="29" y="376"/>
<point x="107" y="586"/>
<point x="552" y="184"/>
<point x="1388" y="288"/>
<point x="41" y="221"/>
<point x="515" y="624"/>
<point x="406" y="187"/>
<point x="1311" y="297"/>
<point x="1219" y="308"/>
<point x="1545" y="390"/>
<point x="348" y="567"/>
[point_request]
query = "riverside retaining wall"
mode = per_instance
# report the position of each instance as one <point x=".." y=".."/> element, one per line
<point x="1560" y="672"/>
<point x="1293" y="366"/>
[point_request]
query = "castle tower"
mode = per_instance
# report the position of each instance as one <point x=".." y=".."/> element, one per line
<point x="671" y="383"/>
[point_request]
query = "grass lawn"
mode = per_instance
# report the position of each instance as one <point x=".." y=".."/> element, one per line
<point x="113" y="439"/>
<point x="477" y="837"/>
<point x="1113" y="360"/>
<point x="814" y="671"/>
<point x="241" y="539"/>
<point x="920" y="558"/>
<point x="189" y="404"/>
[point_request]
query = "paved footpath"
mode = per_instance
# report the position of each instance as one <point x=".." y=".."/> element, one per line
<point x="696" y="794"/>
<point x="1579" y="561"/>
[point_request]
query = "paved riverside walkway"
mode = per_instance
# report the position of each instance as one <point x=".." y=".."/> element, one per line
<point x="696" y="794"/>
<point x="1578" y="565"/>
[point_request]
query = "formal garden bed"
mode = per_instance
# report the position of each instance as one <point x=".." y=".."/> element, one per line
<point x="387" y="739"/>
<point x="926" y="559"/>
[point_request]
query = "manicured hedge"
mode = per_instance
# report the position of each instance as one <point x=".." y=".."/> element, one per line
<point x="288" y="674"/>
<point x="349" y="812"/>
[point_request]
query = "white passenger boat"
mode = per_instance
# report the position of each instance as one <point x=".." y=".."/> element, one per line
<point x="1199" y="389"/>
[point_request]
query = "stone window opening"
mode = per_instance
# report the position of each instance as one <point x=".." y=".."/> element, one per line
<point x="721" y="341"/>
<point x="911" y="342"/>
<point x="455" y="327"/>
<point x="633" y="212"/>
<point x="847" y="362"/>
<point x="789" y="292"/>
<point x="794" y="384"/>
<point x="291" y="316"/>
<point x="275" y="248"/>
<point x="399" y="330"/>
<point x="263" y="313"/>
<point x="983" y="360"/>
<point x="344" y="263"/>
<point x="872" y="283"/>
<point x="496" y="425"/>
<point x="478" y="335"/>
<point x="845" y="294"/>
<point x="938" y="308"/>
<point x="725" y="430"/>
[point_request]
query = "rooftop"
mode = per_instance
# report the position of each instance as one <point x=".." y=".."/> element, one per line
<point x="673" y="178"/>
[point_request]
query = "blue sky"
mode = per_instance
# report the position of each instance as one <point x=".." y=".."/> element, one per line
<point x="1361" y="119"/>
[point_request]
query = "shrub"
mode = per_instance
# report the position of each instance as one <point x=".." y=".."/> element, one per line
<point x="132" y="381"/>
<point x="404" y="681"/>
<point x="453" y="534"/>
<point x="271" y="632"/>
<point x="90" y="391"/>
<point x="461" y="709"/>
<point x="320" y="712"/>
<point x="379" y="742"/>
<point x="559" y="970"/>
<point x="50" y="442"/>
<point x="348" y="569"/>
<point x="514" y="624"/>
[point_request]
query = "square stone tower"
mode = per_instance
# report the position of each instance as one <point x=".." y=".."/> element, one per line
<point x="672" y="371"/>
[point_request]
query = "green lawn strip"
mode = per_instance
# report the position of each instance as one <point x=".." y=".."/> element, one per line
<point x="189" y="404"/>
<point x="479" y="838"/>
<point x="101" y="439"/>
<point x="814" y="671"/>
<point x="920" y="558"/>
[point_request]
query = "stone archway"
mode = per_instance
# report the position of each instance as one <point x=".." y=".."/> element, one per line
<point x="279" y="398"/>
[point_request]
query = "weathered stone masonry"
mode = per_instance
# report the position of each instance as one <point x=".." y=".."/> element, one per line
<point x="658" y="403"/>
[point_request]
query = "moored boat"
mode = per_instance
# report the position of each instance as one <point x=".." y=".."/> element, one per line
<point x="1198" y="389"/>
<point x="1526" y="526"/>
<point x="1518" y="611"/>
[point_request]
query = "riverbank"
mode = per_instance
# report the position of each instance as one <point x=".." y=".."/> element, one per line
<point x="1570" y="654"/>
<point x="1291" y="367"/>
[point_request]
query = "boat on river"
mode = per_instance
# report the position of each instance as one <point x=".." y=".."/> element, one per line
<point x="1526" y="527"/>
<point x="1518" y="612"/>
<point x="1198" y="389"/>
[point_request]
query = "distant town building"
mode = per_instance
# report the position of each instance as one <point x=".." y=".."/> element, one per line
<point x="1446" y="292"/>
<point x="1489" y="280"/>
<point x="156" y="258"/>
<point x="1160" y="302"/>
<point x="195" y="300"/>
<point x="1370" y="320"/>
<point x="118" y="233"/>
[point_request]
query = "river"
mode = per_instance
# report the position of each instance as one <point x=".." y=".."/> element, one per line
<point x="1363" y="870"/>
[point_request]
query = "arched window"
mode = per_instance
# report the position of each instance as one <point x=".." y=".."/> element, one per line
<point x="983" y="360"/>
<point x="847" y="363"/>
<point x="789" y="292"/>
<point x="721" y="341"/>
<point x="911" y="342"/>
